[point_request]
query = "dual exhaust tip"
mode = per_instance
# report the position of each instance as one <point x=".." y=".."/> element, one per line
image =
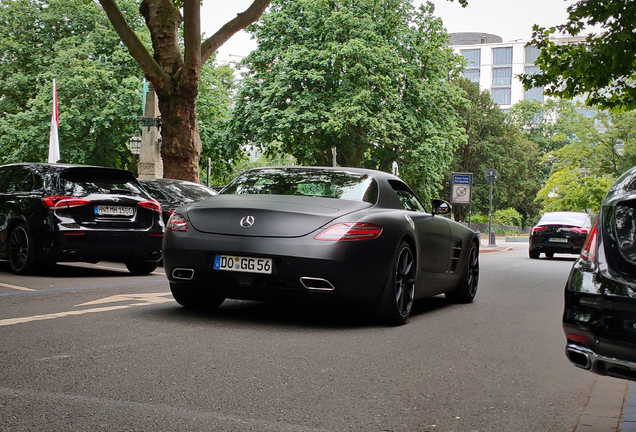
<point x="310" y="283"/>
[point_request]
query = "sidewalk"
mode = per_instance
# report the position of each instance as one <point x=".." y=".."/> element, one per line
<point x="501" y="245"/>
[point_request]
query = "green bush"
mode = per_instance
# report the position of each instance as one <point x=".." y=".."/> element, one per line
<point x="508" y="216"/>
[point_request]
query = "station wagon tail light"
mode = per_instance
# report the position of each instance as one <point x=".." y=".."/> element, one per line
<point x="61" y="202"/>
<point x="151" y="205"/>
<point x="588" y="253"/>
<point x="350" y="231"/>
<point x="539" y="228"/>
<point x="177" y="222"/>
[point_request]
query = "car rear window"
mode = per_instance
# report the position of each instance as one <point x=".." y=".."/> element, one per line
<point x="86" y="182"/>
<point x="306" y="182"/>
<point x="570" y="219"/>
<point x="625" y="223"/>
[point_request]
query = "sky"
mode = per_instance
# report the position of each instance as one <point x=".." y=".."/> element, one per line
<point x="510" y="19"/>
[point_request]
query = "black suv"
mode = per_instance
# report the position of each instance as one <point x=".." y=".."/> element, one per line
<point x="599" y="318"/>
<point x="66" y="213"/>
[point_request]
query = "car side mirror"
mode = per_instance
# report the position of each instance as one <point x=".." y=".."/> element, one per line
<point x="440" y="207"/>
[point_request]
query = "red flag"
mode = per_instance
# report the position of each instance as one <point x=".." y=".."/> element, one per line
<point x="54" y="143"/>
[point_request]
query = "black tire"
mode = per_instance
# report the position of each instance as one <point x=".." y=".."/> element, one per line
<point x="534" y="254"/>
<point x="467" y="287"/>
<point x="194" y="297"/>
<point x="141" y="268"/>
<point x="21" y="250"/>
<point x="396" y="301"/>
<point x="549" y="254"/>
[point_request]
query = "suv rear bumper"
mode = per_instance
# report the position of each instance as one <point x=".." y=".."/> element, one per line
<point x="106" y="245"/>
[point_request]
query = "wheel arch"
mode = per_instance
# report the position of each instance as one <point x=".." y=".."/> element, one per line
<point x="17" y="219"/>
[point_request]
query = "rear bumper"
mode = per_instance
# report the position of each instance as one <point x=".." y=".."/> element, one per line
<point x="302" y="267"/>
<point x="599" y="322"/>
<point x="102" y="245"/>
<point x="540" y="245"/>
<point x="587" y="359"/>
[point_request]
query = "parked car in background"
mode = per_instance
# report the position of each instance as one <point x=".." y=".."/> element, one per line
<point x="559" y="232"/>
<point x="174" y="193"/>
<point x="319" y="233"/>
<point x="53" y="213"/>
<point x="599" y="319"/>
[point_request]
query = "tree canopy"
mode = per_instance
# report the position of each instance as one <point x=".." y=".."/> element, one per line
<point x="494" y="142"/>
<point x="99" y="85"/>
<point x="603" y="68"/>
<point x="369" y="78"/>
<point x="582" y="171"/>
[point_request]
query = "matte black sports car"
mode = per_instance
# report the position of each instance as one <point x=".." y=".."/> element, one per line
<point x="323" y="233"/>
<point x="559" y="232"/>
<point x="599" y="319"/>
<point x="62" y="213"/>
<point x="174" y="193"/>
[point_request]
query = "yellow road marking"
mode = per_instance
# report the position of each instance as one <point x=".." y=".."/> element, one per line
<point x="16" y="287"/>
<point x="147" y="299"/>
<point x="150" y="298"/>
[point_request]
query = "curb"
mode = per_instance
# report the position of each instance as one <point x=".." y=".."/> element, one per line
<point x="486" y="249"/>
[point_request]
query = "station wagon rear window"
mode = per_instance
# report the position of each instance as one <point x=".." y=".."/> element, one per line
<point x="306" y="182"/>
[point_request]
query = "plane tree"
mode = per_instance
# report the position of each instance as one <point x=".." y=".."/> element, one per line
<point x="602" y="68"/>
<point x="369" y="78"/>
<point x="175" y="72"/>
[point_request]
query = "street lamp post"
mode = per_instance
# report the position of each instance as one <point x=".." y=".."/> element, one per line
<point x="134" y="144"/>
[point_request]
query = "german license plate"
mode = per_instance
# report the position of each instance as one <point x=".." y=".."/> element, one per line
<point x="243" y="264"/>
<point x="557" y="240"/>
<point x="103" y="210"/>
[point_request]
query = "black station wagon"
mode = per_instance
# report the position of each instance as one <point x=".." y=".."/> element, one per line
<point x="53" y="213"/>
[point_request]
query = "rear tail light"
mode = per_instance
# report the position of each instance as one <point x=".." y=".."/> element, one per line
<point x="588" y="253"/>
<point x="177" y="222"/>
<point x="151" y="205"/>
<point x="57" y="202"/>
<point x="577" y="338"/>
<point x="350" y="231"/>
<point x="539" y="228"/>
<point x="579" y="230"/>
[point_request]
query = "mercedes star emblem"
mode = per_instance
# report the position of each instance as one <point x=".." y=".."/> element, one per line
<point x="247" y="221"/>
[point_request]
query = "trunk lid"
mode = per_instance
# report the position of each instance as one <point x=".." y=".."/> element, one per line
<point x="267" y="215"/>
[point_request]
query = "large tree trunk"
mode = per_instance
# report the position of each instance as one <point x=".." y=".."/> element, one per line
<point x="181" y="145"/>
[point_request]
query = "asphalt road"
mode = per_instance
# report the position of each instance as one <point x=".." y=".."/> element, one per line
<point x="94" y="348"/>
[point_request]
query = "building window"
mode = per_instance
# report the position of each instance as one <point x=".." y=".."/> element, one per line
<point x="501" y="96"/>
<point x="501" y="76"/>
<point x="502" y="56"/>
<point x="532" y="53"/>
<point x="473" y="58"/>
<point x="472" y="74"/>
<point x="535" y="93"/>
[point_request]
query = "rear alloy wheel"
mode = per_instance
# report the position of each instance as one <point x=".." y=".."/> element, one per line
<point x="467" y="288"/>
<point x="141" y="268"/>
<point x="549" y="254"/>
<point x="194" y="297"/>
<point x="396" y="300"/>
<point x="21" y="251"/>
<point x="534" y="254"/>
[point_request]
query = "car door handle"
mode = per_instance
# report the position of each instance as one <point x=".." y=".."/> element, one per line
<point x="10" y="202"/>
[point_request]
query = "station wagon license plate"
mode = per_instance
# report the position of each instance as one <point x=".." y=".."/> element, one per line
<point x="243" y="264"/>
<point x="102" y="210"/>
<point x="557" y="240"/>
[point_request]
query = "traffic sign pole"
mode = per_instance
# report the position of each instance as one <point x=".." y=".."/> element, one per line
<point x="491" y="175"/>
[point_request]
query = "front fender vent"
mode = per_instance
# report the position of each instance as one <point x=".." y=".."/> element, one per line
<point x="456" y="253"/>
